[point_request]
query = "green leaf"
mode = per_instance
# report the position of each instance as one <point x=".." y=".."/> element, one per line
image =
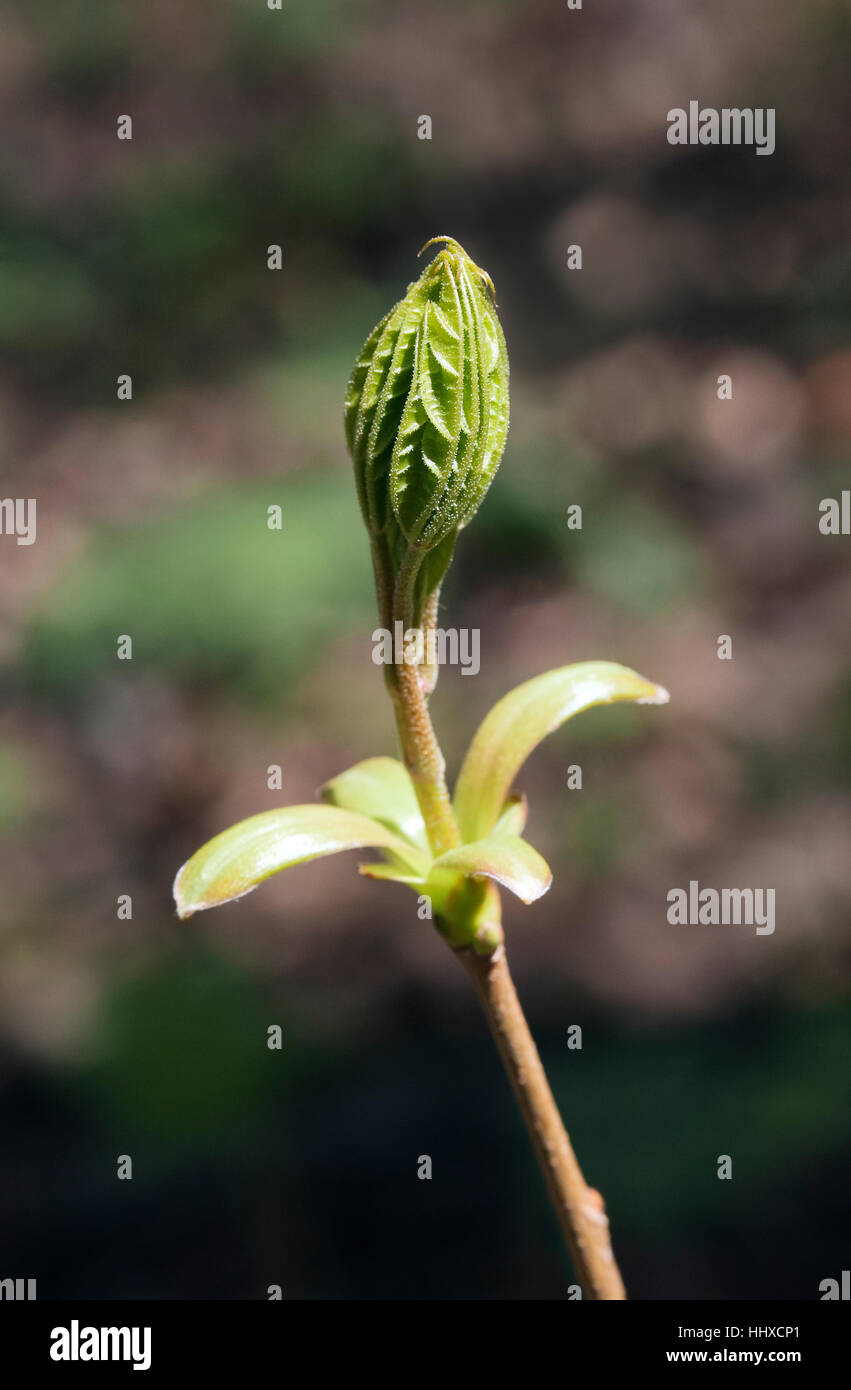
<point x="520" y="720"/>
<point x="508" y="859"/>
<point x="381" y="789"/>
<point x="512" y="817"/>
<point x="392" y="874"/>
<point x="239" y="859"/>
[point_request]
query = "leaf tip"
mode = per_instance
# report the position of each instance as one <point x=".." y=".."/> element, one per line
<point x="660" y="696"/>
<point x="538" y="891"/>
<point x="185" y="910"/>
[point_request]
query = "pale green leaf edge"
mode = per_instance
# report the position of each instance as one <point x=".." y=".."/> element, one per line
<point x="270" y="842"/>
<point x="522" y="719"/>
<point x="508" y="859"/>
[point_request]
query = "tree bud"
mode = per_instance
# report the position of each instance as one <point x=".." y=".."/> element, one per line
<point x="427" y="408"/>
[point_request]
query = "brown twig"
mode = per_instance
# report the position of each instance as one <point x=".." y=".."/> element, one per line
<point x="580" y="1209"/>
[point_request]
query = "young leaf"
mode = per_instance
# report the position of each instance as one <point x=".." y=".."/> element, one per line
<point x="511" y="861"/>
<point x="239" y="859"/>
<point x="512" y="817"/>
<point x="390" y="873"/>
<point x="520" y="720"/>
<point x="382" y="789"/>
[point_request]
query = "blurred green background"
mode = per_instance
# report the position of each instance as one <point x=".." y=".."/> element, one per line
<point x="252" y="647"/>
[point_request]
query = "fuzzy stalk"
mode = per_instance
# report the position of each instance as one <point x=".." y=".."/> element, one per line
<point x="420" y="749"/>
<point x="580" y="1209"/>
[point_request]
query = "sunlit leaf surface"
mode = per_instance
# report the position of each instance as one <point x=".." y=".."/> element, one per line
<point x="520" y="720"/>
<point x="236" y="861"/>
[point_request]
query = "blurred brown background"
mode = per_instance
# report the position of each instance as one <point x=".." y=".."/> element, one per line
<point x="252" y="647"/>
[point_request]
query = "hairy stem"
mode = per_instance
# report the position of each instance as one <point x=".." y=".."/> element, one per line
<point x="429" y="671"/>
<point x="383" y="572"/>
<point x="580" y="1209"/>
<point x="420" y="748"/>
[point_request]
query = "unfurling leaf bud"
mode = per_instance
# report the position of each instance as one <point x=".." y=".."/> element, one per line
<point x="427" y="409"/>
